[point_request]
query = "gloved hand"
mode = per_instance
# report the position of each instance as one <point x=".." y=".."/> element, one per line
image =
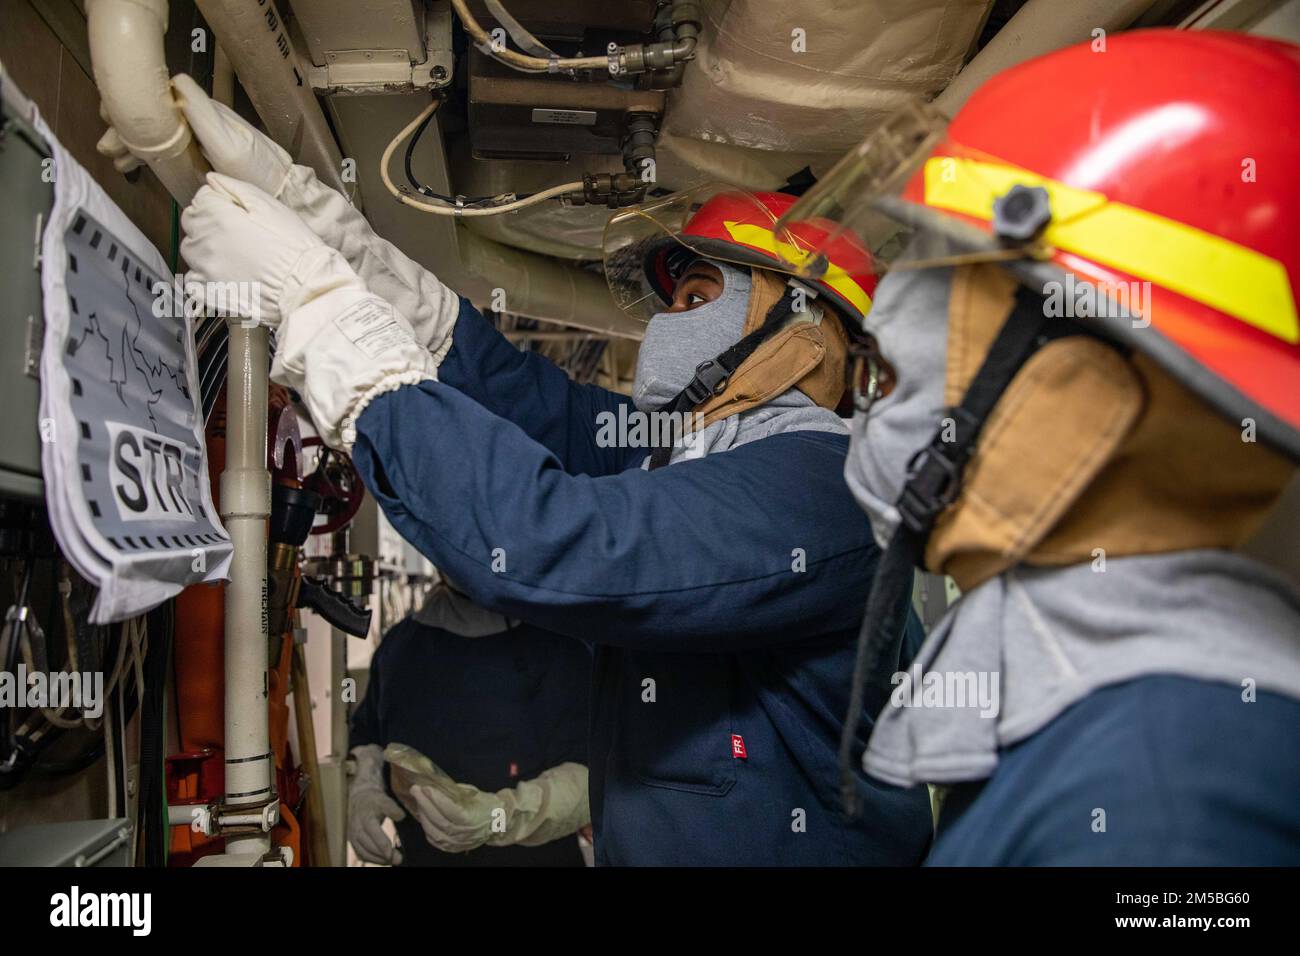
<point x="235" y="148"/>
<point x="339" y="346"/>
<point x="230" y="144"/>
<point x="455" y="822"/>
<point x="368" y="805"/>
<point x="457" y="818"/>
<point x="236" y="233"/>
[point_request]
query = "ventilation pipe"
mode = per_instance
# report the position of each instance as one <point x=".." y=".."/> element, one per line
<point x="1039" y="27"/>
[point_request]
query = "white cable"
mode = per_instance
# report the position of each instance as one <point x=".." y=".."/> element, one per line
<point x="520" y="61"/>
<point x="55" y="717"/>
<point x="526" y="41"/>
<point x="447" y="209"/>
<point x="110" y="684"/>
<point x="119" y="665"/>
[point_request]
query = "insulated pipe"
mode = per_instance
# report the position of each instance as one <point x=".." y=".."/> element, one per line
<point x="245" y="508"/>
<point x="126" y="51"/>
<point x="252" y="35"/>
<point x="1039" y="27"/>
<point x="223" y="77"/>
<point x="535" y="286"/>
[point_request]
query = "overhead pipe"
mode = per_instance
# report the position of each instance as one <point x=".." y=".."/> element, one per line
<point x="667" y="32"/>
<point x="1039" y="27"/>
<point x="252" y="35"/>
<point x="536" y="287"/>
<point x="126" y="51"/>
<point x="223" y="77"/>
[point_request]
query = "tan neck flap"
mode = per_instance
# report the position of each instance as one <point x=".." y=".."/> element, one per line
<point x="1089" y="454"/>
<point x="810" y="356"/>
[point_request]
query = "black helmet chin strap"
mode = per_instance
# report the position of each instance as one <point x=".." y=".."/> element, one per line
<point x="711" y="377"/>
<point x="934" y="478"/>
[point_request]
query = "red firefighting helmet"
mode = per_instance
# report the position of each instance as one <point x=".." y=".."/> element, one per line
<point x="647" y="248"/>
<point x="1158" y="161"/>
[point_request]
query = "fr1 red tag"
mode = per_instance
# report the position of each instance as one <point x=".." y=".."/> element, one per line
<point x="738" y="747"/>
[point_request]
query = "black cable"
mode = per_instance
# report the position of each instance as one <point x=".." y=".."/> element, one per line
<point x="87" y="758"/>
<point x="879" y="641"/>
<point x="27" y="752"/>
<point x="424" y="190"/>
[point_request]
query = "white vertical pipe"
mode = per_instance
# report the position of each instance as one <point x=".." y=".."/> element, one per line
<point x="245" y="508"/>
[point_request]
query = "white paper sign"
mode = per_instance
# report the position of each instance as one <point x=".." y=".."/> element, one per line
<point x="123" y="456"/>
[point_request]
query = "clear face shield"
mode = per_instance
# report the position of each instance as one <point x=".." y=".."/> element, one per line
<point x="916" y="200"/>
<point x="646" y="248"/>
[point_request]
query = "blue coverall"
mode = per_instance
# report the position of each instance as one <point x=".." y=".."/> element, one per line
<point x="490" y="711"/>
<point x="1161" y="768"/>
<point x="722" y="595"/>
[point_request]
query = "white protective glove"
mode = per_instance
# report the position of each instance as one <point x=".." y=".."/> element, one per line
<point x="338" y="345"/>
<point x="368" y="805"/>
<point x="236" y="233"/>
<point x="457" y="818"/>
<point x="233" y="147"/>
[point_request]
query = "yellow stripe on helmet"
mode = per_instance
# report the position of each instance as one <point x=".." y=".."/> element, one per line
<point x="751" y="235"/>
<point x="1197" y="264"/>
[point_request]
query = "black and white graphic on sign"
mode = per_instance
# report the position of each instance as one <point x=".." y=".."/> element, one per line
<point x="123" y="458"/>
<point x="139" y="462"/>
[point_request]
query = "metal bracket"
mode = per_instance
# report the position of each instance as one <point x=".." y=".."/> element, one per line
<point x="371" y="70"/>
<point x="390" y="71"/>
<point x="278" y="857"/>
<point x="261" y="817"/>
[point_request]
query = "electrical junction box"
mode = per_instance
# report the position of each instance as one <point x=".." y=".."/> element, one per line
<point x="26" y="196"/>
<point x="532" y="116"/>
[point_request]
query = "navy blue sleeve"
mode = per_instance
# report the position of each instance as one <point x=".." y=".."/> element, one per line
<point x="531" y="391"/>
<point x="754" y="546"/>
<point x="365" y="725"/>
